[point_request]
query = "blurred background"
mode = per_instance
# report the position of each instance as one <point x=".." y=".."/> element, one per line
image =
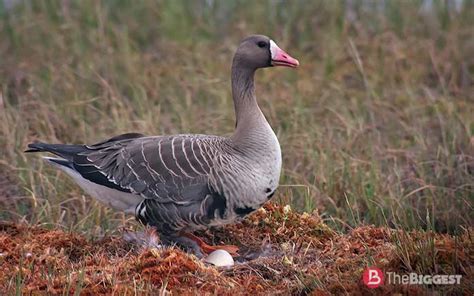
<point x="376" y="125"/>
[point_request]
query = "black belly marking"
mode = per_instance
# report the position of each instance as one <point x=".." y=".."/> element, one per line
<point x="268" y="190"/>
<point x="141" y="207"/>
<point x="218" y="203"/>
<point x="244" y="211"/>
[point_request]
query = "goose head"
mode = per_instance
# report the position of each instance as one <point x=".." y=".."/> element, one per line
<point x="259" y="51"/>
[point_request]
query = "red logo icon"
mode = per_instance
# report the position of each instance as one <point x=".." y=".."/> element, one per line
<point x="372" y="277"/>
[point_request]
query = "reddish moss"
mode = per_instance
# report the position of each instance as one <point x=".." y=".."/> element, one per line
<point x="283" y="252"/>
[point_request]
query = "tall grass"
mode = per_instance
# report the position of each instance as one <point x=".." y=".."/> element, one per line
<point x="376" y="126"/>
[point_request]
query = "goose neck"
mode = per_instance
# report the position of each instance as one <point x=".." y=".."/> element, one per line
<point x="247" y="111"/>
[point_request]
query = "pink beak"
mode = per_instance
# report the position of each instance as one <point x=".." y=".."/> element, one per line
<point x="281" y="58"/>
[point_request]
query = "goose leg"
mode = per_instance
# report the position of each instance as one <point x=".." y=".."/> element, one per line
<point x="188" y="241"/>
<point x="184" y="242"/>
<point x="207" y="249"/>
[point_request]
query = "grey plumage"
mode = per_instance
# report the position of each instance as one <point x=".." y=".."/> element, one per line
<point x="186" y="182"/>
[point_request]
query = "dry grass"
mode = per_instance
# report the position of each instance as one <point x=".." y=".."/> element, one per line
<point x="376" y="125"/>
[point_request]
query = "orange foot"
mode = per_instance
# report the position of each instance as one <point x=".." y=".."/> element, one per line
<point x="207" y="249"/>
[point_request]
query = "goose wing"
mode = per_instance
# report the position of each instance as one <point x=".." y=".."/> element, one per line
<point x="165" y="168"/>
<point x="172" y="173"/>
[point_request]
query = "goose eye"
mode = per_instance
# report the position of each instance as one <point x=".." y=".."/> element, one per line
<point x="262" y="44"/>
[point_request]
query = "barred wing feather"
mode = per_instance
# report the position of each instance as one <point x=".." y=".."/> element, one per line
<point x="166" y="168"/>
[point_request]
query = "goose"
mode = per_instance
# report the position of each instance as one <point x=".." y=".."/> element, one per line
<point x="178" y="184"/>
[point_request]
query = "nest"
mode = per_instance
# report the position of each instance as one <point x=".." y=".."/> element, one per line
<point x="282" y="252"/>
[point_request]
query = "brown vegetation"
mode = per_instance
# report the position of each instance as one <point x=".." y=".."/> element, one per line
<point x="282" y="253"/>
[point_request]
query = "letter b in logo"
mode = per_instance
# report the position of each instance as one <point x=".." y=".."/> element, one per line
<point x="372" y="277"/>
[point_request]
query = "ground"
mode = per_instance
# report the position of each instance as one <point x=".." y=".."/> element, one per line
<point x="282" y="252"/>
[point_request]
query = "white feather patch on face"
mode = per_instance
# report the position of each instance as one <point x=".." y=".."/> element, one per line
<point x="273" y="48"/>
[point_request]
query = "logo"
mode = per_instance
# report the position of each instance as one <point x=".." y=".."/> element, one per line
<point x="372" y="277"/>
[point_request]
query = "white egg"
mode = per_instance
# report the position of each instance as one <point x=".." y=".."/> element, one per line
<point x="220" y="258"/>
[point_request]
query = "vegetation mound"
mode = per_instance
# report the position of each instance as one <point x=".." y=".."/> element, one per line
<point x="282" y="252"/>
